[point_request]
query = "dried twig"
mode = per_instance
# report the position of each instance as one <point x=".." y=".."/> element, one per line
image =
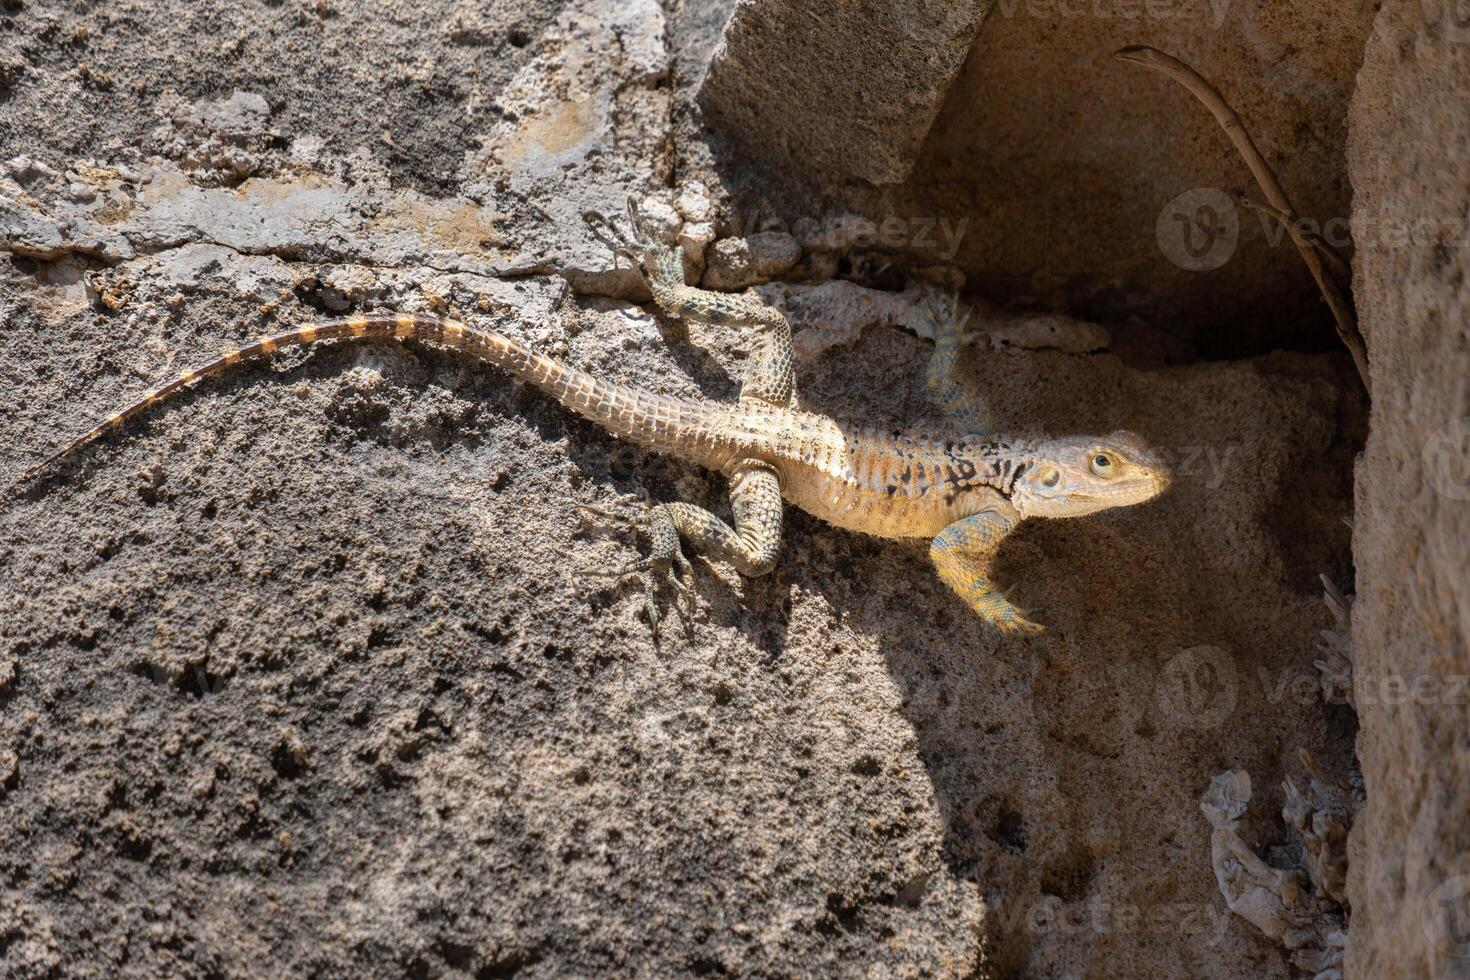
<point x="1338" y="263"/>
<point x="1332" y="291"/>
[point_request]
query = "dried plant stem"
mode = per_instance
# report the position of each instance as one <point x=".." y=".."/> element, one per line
<point x="1334" y="257"/>
<point x="1311" y="251"/>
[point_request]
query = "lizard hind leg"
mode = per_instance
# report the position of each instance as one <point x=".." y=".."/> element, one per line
<point x="752" y="545"/>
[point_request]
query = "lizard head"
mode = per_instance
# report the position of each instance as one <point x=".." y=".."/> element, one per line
<point x="1081" y="475"/>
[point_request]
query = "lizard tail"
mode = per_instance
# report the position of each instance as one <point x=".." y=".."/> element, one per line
<point x="657" y="421"/>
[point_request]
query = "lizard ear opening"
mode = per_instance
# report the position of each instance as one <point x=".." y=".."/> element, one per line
<point x="1050" y="477"/>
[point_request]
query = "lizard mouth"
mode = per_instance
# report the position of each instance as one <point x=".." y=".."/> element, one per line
<point x="1147" y="485"/>
<point x="1134" y="490"/>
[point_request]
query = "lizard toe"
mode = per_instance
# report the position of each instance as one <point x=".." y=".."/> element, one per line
<point x="1021" y="626"/>
<point x="665" y="563"/>
<point x="637" y="519"/>
<point x="1017" y="626"/>
<point x="950" y="320"/>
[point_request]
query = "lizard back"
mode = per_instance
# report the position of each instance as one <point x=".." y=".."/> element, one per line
<point x="891" y="483"/>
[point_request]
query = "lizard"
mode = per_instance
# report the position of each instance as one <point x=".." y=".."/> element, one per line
<point x="965" y="493"/>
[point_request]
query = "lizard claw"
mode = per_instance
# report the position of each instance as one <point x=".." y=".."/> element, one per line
<point x="639" y="240"/>
<point x="644" y="230"/>
<point x="626" y="520"/>
<point x="949" y="323"/>
<point x="1012" y="620"/>
<point x="685" y="609"/>
<point x="1016" y="624"/>
<point x="637" y="244"/>
<point x="666" y="563"/>
<point x="606" y="232"/>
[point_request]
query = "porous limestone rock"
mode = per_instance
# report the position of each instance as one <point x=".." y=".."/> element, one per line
<point x="737" y="263"/>
<point x="836" y="91"/>
<point x="1409" y="867"/>
<point x="296" y="673"/>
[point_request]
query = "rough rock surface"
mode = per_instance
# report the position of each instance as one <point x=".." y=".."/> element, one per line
<point x="737" y="263"/>
<point x="837" y="90"/>
<point x="1411" y="621"/>
<point x="1086" y="185"/>
<point x="295" y="676"/>
<point x="1072" y="164"/>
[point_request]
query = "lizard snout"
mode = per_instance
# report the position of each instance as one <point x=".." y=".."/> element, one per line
<point x="1162" y="474"/>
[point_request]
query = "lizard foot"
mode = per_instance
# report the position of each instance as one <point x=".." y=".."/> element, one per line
<point x="996" y="610"/>
<point x="949" y="323"/>
<point x="639" y="246"/>
<point x="1015" y="623"/>
<point x="666" y="563"/>
<point x="1007" y="618"/>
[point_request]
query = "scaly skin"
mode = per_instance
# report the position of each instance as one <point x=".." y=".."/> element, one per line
<point x="966" y="493"/>
<point x="964" y="411"/>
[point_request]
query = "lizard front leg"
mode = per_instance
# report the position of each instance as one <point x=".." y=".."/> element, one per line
<point x="770" y="377"/>
<point x="962" y="553"/>
<point x="752" y="545"/>
<point x="963" y="410"/>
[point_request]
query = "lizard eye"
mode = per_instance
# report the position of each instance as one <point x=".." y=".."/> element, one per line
<point x="1050" y="476"/>
<point x="1103" y="464"/>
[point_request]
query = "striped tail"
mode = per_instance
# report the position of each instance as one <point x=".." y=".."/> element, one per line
<point x="660" y="422"/>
